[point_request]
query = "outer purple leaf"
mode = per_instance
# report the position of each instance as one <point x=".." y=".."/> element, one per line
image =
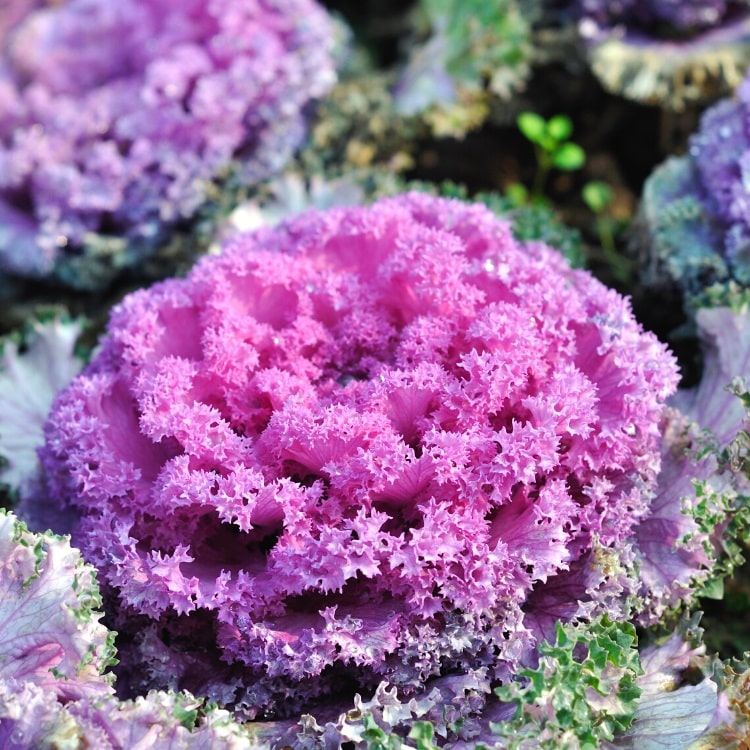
<point x="50" y="632"/>
<point x="676" y="551"/>
<point x="726" y="338"/>
<point x="29" y="383"/>
<point x="672" y="720"/>
<point x="672" y="713"/>
<point x="157" y="721"/>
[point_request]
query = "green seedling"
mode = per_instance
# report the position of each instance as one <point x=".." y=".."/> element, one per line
<point x="552" y="149"/>
<point x="599" y="196"/>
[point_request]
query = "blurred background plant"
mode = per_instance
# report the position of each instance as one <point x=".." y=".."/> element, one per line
<point x="463" y="55"/>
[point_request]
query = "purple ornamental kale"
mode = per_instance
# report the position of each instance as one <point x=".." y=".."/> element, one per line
<point x="679" y="15"/>
<point x="368" y="444"/>
<point x="693" y="227"/>
<point x="720" y="151"/>
<point x="667" y="52"/>
<point x="115" y="117"/>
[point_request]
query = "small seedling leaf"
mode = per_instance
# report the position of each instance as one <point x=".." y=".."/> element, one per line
<point x="517" y="193"/>
<point x="560" y="128"/>
<point x="597" y="196"/>
<point x="532" y="126"/>
<point x="569" y="156"/>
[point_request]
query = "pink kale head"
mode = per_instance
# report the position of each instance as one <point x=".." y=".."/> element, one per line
<point x="116" y="116"/>
<point x="369" y="443"/>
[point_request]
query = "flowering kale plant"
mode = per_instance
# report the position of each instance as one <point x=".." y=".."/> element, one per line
<point x="116" y="116"/>
<point x="667" y="52"/>
<point x="680" y="15"/>
<point x="369" y="444"/>
<point x="694" y="223"/>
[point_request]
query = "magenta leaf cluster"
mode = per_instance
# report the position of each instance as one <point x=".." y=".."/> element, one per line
<point x="368" y="444"/>
<point x="116" y="116"/>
